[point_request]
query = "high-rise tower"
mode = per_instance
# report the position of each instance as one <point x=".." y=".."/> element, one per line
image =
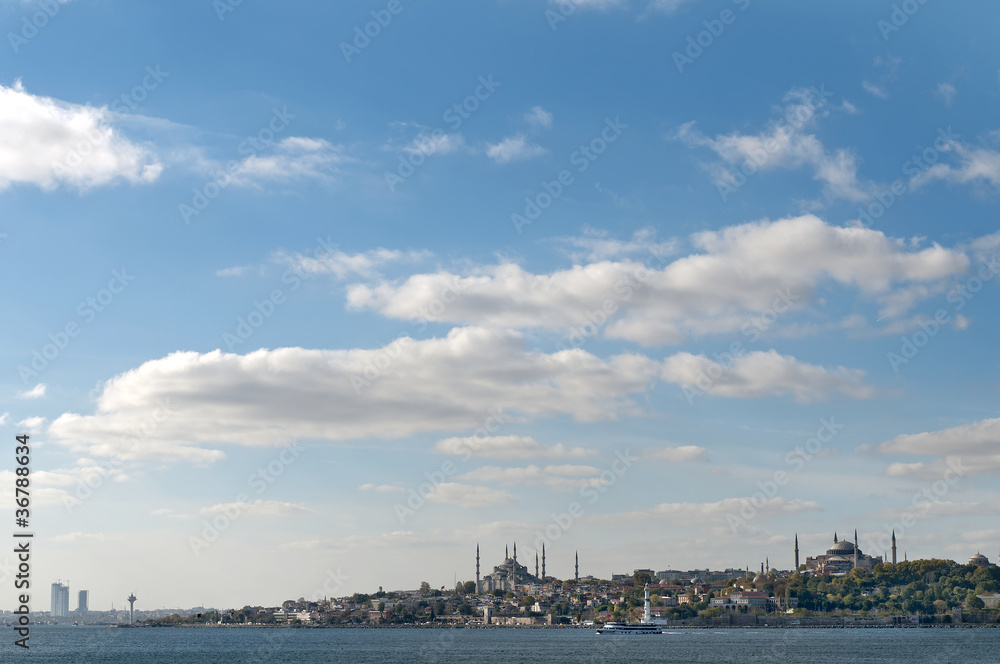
<point x="131" y="608"/>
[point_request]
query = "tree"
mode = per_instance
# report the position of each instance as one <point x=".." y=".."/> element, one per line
<point x="425" y="588"/>
<point x="640" y="579"/>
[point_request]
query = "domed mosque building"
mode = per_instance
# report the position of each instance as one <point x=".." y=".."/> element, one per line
<point x="842" y="557"/>
<point x="979" y="560"/>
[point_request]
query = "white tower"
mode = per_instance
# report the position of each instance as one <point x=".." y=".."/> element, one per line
<point x="646" y="618"/>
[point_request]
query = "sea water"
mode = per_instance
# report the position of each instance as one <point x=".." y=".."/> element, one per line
<point x="98" y="645"/>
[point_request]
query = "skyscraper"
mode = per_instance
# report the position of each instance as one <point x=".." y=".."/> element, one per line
<point x="83" y="600"/>
<point x="60" y="600"/>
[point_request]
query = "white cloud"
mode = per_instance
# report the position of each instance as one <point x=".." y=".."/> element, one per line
<point x="382" y="488"/>
<point x="268" y="396"/>
<point x="4" y="419"/>
<point x="785" y="144"/>
<point x="762" y="374"/>
<point x="508" y="447"/>
<point x="977" y="438"/>
<point x="739" y="272"/>
<point x="539" y="118"/>
<point x="37" y="392"/>
<point x="32" y="424"/>
<point x="49" y="143"/>
<point x="465" y="495"/>
<point x="293" y="158"/>
<point x="435" y="143"/>
<point x="875" y="90"/>
<point x="679" y="454"/>
<point x="266" y="508"/>
<point x="946" y="92"/>
<point x="967" y="449"/>
<point x="341" y="265"/>
<point x="557" y="478"/>
<point x="943" y="509"/>
<point x="513" y="148"/>
<point x="70" y="538"/>
<point x="232" y="271"/>
<point x="975" y="164"/>
<point x="597" y="245"/>
<point x="719" y="510"/>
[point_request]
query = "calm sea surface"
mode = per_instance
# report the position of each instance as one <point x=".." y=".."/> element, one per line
<point x="93" y="645"/>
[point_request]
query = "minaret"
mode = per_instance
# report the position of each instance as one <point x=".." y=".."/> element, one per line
<point x="893" y="547"/>
<point x="855" y="547"/>
<point x="646" y="618"/>
<point x="131" y="607"/>
<point x="767" y="564"/>
<point x="536" y="564"/>
<point x="835" y="537"/>
<point x="543" y="561"/>
<point x="796" y="552"/>
<point x="576" y="576"/>
<point x="477" y="568"/>
<point x="506" y="552"/>
<point x="515" y="552"/>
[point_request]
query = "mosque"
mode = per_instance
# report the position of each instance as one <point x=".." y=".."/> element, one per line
<point x="842" y="557"/>
<point x="509" y="574"/>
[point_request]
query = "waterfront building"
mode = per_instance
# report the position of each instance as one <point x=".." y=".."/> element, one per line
<point x="506" y="576"/>
<point x="979" y="560"/>
<point x="60" y="600"/>
<point x="841" y="558"/>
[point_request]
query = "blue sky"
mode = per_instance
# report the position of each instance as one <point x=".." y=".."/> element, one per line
<point x="278" y="277"/>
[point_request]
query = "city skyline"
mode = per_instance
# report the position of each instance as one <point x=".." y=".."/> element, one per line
<point x="661" y="283"/>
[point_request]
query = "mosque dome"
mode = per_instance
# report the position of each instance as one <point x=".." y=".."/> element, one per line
<point x="842" y="548"/>
<point x="979" y="560"/>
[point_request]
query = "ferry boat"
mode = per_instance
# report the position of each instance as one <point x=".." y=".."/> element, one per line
<point x="630" y="628"/>
<point x="647" y="626"/>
